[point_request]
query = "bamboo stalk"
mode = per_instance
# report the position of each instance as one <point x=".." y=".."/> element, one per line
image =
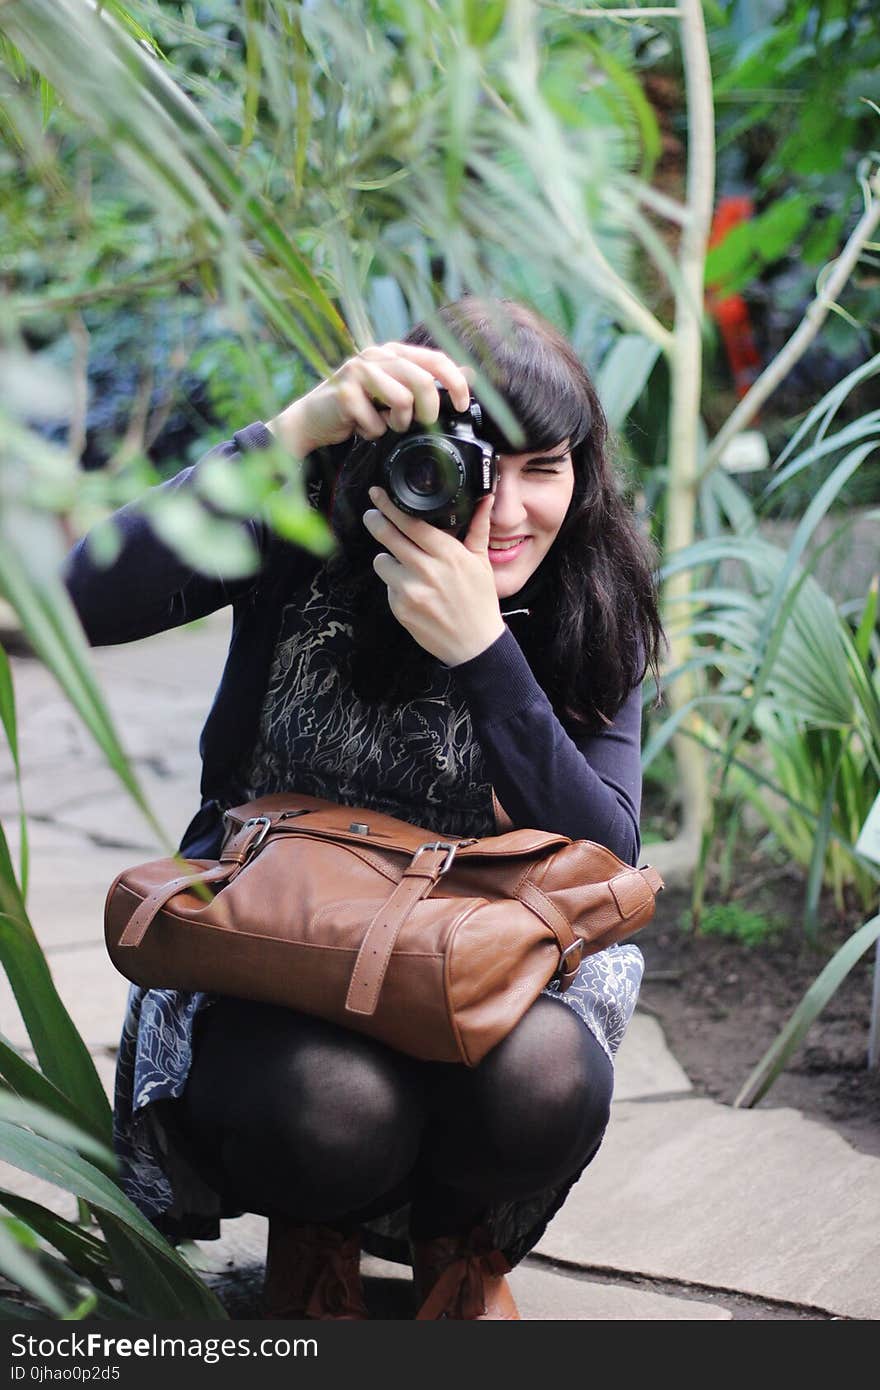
<point x="684" y="414"/>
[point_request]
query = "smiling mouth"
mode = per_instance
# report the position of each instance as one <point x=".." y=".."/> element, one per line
<point x="510" y="544"/>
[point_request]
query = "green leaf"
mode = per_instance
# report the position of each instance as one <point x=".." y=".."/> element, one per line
<point x="779" y="227"/>
<point x="7" y="718"/>
<point x="734" y="259"/>
<point x="61" y="1052"/>
<point x="817" y="996"/>
<point x="32" y="1115"/>
<point x="23" y="1268"/>
<point x="483" y="19"/>
<point x="210" y="544"/>
<point x="132" y="104"/>
<point x="624" y="374"/>
<point x="36" y="593"/>
<point x="83" y="1251"/>
<point x="25" y="1080"/>
<point x="821" y="242"/>
<point x="50" y="1161"/>
<point x="149" y="1285"/>
<point x="868" y="621"/>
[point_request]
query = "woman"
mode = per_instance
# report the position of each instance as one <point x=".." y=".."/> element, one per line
<point x="421" y="675"/>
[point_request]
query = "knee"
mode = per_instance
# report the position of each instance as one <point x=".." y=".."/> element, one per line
<point x="546" y="1090"/>
<point x="351" y="1112"/>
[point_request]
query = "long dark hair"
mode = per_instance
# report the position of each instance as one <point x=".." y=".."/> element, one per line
<point x="593" y="625"/>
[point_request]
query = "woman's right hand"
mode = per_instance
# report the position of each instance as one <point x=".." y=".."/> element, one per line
<point x="382" y="387"/>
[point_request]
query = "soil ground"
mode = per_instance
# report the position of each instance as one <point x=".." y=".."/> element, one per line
<point x="721" y="1003"/>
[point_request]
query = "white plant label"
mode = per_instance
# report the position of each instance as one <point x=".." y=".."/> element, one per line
<point x="868" y="842"/>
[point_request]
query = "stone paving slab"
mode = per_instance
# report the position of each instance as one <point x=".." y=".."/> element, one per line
<point x="765" y="1202"/>
<point x="185" y="658"/>
<point x="542" y="1295"/>
<point x="644" y="1066"/>
<point x="115" y="819"/>
<point x="69" y="878"/>
<point x="91" y="989"/>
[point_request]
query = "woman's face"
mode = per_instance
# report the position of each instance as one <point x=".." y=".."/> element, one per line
<point x="531" y="501"/>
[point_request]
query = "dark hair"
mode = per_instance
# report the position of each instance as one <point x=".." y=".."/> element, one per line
<point x="594" y="626"/>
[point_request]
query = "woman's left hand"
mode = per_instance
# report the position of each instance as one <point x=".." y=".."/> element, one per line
<point x="441" y="589"/>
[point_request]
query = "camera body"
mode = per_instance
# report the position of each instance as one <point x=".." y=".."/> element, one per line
<point x="437" y="472"/>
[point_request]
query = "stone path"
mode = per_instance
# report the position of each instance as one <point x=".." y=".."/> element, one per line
<point x="691" y="1210"/>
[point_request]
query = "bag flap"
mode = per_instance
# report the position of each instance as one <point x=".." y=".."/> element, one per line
<point x="301" y="814"/>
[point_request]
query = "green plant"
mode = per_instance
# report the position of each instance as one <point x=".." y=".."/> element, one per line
<point x="735" y="922"/>
<point x="793" y="715"/>
<point x="54" y="1118"/>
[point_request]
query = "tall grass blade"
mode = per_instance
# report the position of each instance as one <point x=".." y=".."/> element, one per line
<point x="817" y="996"/>
<point x="83" y="1251"/>
<point x="55" y="1164"/>
<point x="61" y="1052"/>
<point x="8" y="720"/>
<point x="22" y="1267"/>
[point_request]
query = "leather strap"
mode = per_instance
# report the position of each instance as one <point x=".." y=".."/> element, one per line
<point x="371" y="965"/>
<point x="140" y="919"/>
<point x="503" y="823"/>
<point x="235" y="854"/>
<point x="532" y="897"/>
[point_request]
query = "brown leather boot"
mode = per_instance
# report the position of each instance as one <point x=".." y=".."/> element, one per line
<point x="462" y="1277"/>
<point x="312" y="1272"/>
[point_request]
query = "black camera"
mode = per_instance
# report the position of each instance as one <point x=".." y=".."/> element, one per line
<point x="437" y="472"/>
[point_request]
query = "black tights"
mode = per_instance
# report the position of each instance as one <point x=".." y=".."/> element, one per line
<point x="290" y="1114"/>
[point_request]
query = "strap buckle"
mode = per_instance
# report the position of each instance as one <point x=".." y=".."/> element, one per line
<point x="265" y="824"/>
<point x="451" y="851"/>
<point x="562" y="967"/>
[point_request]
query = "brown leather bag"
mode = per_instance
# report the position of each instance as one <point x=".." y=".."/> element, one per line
<point x="436" y="947"/>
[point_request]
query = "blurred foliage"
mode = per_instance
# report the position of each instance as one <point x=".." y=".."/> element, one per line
<point x="385" y="146"/>
<point x="735" y="923"/>
<point x="798" y="127"/>
<point x="375" y="137"/>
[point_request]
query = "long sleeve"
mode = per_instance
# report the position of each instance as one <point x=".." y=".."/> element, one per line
<point x="149" y="588"/>
<point x="588" y="788"/>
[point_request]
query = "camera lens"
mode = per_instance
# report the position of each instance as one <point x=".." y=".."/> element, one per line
<point x="424" y="475"/>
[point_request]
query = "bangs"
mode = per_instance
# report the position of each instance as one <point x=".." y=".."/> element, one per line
<point x="531" y="366"/>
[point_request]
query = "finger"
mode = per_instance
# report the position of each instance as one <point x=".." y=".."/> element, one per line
<point x="477" y="538"/>
<point x="420" y="386"/>
<point x="386" y="567"/>
<point x="439" y="366"/>
<point x="358" y="409"/>
<point x="428" y="538"/>
<point x="405" y="551"/>
<point x="380" y="388"/>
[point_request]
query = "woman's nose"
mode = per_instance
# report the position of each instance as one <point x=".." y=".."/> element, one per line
<point x="508" y="509"/>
